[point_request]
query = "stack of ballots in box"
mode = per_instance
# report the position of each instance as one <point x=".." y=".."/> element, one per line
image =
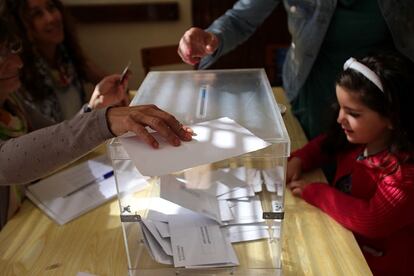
<point x="201" y="211"/>
<point x="194" y="223"/>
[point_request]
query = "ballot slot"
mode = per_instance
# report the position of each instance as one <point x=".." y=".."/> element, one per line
<point x="202" y="102"/>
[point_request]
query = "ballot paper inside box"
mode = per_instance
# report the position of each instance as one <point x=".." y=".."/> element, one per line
<point x="223" y="215"/>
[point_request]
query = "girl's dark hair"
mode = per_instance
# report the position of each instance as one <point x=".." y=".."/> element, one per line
<point x="396" y="102"/>
<point x="30" y="75"/>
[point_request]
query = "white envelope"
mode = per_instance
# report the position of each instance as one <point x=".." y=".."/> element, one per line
<point x="273" y="179"/>
<point x="238" y="193"/>
<point x="225" y="212"/>
<point x="165" y="243"/>
<point x="248" y="232"/>
<point x="214" y="182"/>
<point x="198" y="241"/>
<point x="246" y="211"/>
<point x="215" y="140"/>
<point x="154" y="248"/>
<point x="162" y="228"/>
<point x="174" y="189"/>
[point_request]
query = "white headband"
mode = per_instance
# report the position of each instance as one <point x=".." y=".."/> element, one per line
<point x="364" y="70"/>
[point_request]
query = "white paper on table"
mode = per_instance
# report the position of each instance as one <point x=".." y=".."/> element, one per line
<point x="197" y="240"/>
<point x="273" y="179"/>
<point x="68" y="180"/>
<point x="165" y="243"/>
<point x="154" y="248"/>
<point x="49" y="193"/>
<point x="174" y="189"/>
<point x="246" y="211"/>
<point x="215" y="140"/>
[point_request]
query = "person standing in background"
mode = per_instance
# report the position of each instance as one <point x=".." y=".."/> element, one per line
<point x="324" y="34"/>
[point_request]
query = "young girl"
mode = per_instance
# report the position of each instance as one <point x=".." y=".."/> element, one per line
<point x="373" y="146"/>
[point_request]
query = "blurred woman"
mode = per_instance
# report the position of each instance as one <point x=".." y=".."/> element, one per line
<point x="55" y="68"/>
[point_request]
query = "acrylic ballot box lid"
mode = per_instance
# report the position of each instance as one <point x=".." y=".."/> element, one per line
<point x="197" y="96"/>
<point x="246" y="97"/>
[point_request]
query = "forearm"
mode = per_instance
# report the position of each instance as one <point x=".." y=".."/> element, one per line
<point x="388" y="210"/>
<point x="237" y="25"/>
<point x="311" y="155"/>
<point x="36" y="154"/>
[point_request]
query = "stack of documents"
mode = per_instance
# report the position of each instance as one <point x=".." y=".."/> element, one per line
<point x="188" y="240"/>
<point x="72" y="192"/>
<point x="199" y="215"/>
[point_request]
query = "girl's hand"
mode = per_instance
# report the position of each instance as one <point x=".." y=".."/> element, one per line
<point x="297" y="187"/>
<point x="294" y="169"/>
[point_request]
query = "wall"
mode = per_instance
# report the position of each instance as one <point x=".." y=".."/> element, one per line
<point x="112" y="45"/>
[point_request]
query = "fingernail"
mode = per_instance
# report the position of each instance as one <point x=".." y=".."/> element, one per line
<point x="155" y="145"/>
<point x="177" y="142"/>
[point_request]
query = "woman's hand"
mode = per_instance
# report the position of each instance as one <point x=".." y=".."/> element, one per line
<point x="109" y="91"/>
<point x="294" y="169"/>
<point x="136" y="118"/>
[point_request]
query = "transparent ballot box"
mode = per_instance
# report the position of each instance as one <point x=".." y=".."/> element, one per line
<point x="220" y="218"/>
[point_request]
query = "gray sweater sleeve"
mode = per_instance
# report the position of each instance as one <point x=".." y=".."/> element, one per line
<point x="38" y="153"/>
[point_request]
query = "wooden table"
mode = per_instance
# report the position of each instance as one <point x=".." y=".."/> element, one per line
<point x="32" y="244"/>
